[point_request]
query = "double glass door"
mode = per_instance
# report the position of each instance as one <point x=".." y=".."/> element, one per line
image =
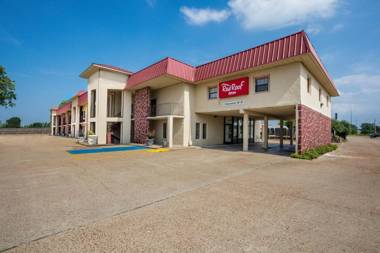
<point x="233" y="130"/>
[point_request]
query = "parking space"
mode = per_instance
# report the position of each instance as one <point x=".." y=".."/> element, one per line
<point x="186" y="200"/>
<point x="45" y="190"/>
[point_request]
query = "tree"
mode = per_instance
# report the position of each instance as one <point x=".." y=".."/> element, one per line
<point x="14" y="122"/>
<point x="7" y="89"/>
<point x="340" y="128"/>
<point x="38" y="125"/>
<point x="343" y="128"/>
<point x="368" y="128"/>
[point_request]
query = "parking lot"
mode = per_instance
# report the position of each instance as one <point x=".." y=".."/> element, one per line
<point x="186" y="200"/>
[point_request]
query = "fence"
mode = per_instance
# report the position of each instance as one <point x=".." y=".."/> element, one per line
<point x="24" y="130"/>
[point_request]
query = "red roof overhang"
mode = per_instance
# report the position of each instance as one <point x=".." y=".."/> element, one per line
<point x="293" y="45"/>
<point x="82" y="99"/>
<point x="166" y="67"/>
<point x="64" y="108"/>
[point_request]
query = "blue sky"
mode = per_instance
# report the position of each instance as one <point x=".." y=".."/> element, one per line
<point x="44" y="45"/>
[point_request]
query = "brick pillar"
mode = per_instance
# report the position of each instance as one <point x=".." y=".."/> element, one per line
<point x="142" y="108"/>
<point x="314" y="128"/>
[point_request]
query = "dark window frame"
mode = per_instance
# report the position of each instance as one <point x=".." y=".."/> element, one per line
<point x="197" y="130"/>
<point x="308" y="85"/>
<point x="257" y="89"/>
<point x="93" y="103"/>
<point x="212" y="92"/>
<point x="204" y="131"/>
<point x="164" y="130"/>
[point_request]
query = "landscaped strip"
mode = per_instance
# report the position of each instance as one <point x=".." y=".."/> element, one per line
<point x="311" y="154"/>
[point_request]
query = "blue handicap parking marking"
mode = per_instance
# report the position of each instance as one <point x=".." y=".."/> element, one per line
<point x="103" y="150"/>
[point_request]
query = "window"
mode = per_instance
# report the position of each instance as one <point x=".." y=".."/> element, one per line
<point x="153" y="107"/>
<point x="197" y="130"/>
<point x="320" y="95"/>
<point x="114" y="103"/>
<point x="204" y="131"/>
<point x="262" y="84"/>
<point x="93" y="104"/>
<point x="309" y="85"/>
<point x="92" y="127"/>
<point x="164" y="127"/>
<point x="327" y="100"/>
<point x="213" y="93"/>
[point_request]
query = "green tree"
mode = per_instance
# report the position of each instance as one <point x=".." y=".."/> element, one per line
<point x="343" y="128"/>
<point x="366" y="128"/>
<point x="14" y="122"/>
<point x="7" y="89"/>
<point x="354" y="129"/>
<point x="369" y="128"/>
<point x="38" y="125"/>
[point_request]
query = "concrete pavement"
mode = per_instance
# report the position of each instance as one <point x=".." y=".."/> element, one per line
<point x="188" y="200"/>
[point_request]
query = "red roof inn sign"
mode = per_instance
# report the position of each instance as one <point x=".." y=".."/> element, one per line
<point x="234" y="88"/>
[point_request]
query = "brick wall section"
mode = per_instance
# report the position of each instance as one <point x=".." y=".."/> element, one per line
<point x="314" y="128"/>
<point x="141" y="112"/>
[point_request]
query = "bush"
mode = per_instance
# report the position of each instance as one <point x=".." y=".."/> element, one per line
<point x="311" y="154"/>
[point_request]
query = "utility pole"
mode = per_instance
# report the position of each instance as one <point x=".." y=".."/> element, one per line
<point x="374" y="126"/>
<point x="351" y="121"/>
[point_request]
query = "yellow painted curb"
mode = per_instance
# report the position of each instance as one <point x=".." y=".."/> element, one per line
<point x="157" y="150"/>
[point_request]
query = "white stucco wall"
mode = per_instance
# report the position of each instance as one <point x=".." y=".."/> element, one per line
<point x="74" y="117"/>
<point x="312" y="99"/>
<point x="284" y="83"/>
<point x="215" y="130"/>
<point x="177" y="131"/>
<point x="101" y="81"/>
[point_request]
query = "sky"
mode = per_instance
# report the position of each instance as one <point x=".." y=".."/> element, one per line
<point x="45" y="45"/>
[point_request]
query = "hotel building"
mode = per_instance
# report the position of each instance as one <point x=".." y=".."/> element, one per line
<point x="226" y="101"/>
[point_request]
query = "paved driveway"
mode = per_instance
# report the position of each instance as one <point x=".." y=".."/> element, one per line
<point x="187" y="200"/>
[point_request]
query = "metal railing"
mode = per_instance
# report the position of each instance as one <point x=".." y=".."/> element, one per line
<point x="166" y="109"/>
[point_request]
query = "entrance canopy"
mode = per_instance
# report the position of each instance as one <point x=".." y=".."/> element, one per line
<point x="286" y="112"/>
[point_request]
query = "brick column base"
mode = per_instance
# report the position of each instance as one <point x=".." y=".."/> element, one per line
<point x="141" y="112"/>
<point x="314" y="129"/>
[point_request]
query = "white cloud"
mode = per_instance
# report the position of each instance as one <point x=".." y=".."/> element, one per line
<point x="196" y="16"/>
<point x="337" y="27"/>
<point x="368" y="83"/>
<point x="8" y="38"/>
<point x="279" y="13"/>
<point x="359" y="94"/>
<point x="266" y="14"/>
<point x="151" y="3"/>
<point x="313" y="29"/>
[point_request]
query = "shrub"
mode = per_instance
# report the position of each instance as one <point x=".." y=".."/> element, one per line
<point x="313" y="153"/>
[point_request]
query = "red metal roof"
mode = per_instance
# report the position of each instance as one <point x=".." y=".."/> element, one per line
<point x="64" y="108"/>
<point x="280" y="49"/>
<point x="289" y="46"/>
<point x="82" y="99"/>
<point x="167" y="66"/>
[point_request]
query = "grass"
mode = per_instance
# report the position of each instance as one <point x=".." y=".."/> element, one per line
<point x="311" y="154"/>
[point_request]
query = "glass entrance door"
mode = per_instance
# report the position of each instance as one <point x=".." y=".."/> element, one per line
<point x="233" y="130"/>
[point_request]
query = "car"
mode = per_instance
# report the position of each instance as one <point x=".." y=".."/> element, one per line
<point x="374" y="135"/>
